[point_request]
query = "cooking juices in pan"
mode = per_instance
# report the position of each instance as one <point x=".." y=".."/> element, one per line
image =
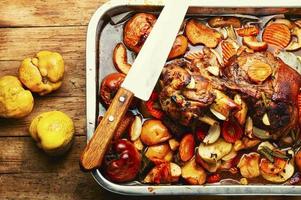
<point x="225" y="109"/>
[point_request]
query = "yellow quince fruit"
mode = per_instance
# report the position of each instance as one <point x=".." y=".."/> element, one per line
<point x="15" y="101"/>
<point x="53" y="131"/>
<point x="43" y="73"/>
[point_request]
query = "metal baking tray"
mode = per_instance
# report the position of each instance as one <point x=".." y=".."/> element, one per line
<point x="101" y="39"/>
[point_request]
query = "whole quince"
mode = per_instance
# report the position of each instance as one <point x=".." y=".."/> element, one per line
<point x="15" y="101"/>
<point x="43" y="73"/>
<point x="53" y="131"/>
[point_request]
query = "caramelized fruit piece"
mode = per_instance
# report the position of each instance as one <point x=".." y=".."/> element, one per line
<point x="259" y="71"/>
<point x="231" y="131"/>
<point x="120" y="59"/>
<point x="249" y="165"/>
<point x="216" y="22"/>
<point x="154" y="132"/>
<point x="277" y="35"/>
<point x="248" y="31"/>
<point x="137" y="29"/>
<point x="164" y="173"/>
<point x="160" y="152"/>
<point x="179" y="47"/>
<point x="127" y="163"/>
<point x="229" y="49"/>
<point x="135" y="128"/>
<point x="272" y="167"/>
<point x="253" y="43"/>
<point x="193" y="174"/>
<point x="298" y="160"/>
<point x="213" y="178"/>
<point x="242" y="113"/>
<point x="211" y="153"/>
<point x="213" y="134"/>
<point x="295" y="45"/>
<point x="109" y="87"/>
<point x="186" y="148"/>
<point x="199" y="33"/>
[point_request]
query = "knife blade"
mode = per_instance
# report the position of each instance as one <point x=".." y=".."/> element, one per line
<point x="140" y="81"/>
<point x="155" y="50"/>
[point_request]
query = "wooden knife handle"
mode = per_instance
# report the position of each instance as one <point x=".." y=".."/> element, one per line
<point x="93" y="154"/>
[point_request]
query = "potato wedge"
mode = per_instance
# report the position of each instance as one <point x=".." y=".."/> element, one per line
<point x="120" y="59"/>
<point x="199" y="33"/>
<point x="193" y="174"/>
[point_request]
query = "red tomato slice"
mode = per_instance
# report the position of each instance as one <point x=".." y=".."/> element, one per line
<point x="150" y="106"/>
<point x="231" y="131"/>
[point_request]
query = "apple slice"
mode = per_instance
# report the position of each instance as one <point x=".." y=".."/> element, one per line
<point x="213" y="134"/>
<point x="253" y="43"/>
<point x="199" y="33"/>
<point x="211" y="153"/>
<point x="173" y="144"/>
<point x="135" y="129"/>
<point x="193" y="174"/>
<point x="186" y="148"/>
<point x="179" y="47"/>
<point x="120" y="60"/>
<point x="277" y="35"/>
<point x="216" y="22"/>
<point x="249" y="165"/>
<point x="295" y="45"/>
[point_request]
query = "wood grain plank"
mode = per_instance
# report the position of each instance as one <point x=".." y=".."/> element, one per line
<point x="73" y="106"/>
<point x="47" y="13"/>
<point x="27" y="173"/>
<point x="74" y="84"/>
<point x="19" y="43"/>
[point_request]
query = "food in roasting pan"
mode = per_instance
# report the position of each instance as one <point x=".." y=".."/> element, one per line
<point x="227" y="105"/>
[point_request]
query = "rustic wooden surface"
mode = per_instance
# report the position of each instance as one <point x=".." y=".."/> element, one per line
<point x="28" y="26"/>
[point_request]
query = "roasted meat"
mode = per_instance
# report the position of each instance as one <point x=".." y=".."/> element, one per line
<point x="268" y="85"/>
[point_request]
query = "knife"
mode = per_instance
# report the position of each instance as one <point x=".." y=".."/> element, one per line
<point x="139" y="82"/>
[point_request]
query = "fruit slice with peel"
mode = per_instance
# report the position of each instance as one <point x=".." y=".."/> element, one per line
<point x="253" y="43"/>
<point x="277" y="34"/>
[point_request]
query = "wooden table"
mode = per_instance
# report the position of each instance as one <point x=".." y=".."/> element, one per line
<point x="26" y="27"/>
